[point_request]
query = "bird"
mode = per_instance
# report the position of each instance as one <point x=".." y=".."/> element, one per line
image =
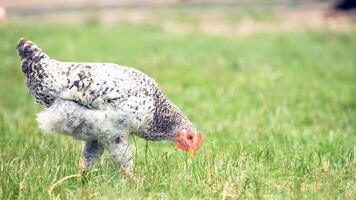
<point x="342" y="7"/>
<point x="103" y="104"/>
<point x="345" y="5"/>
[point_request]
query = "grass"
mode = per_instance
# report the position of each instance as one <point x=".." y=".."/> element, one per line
<point x="278" y="112"/>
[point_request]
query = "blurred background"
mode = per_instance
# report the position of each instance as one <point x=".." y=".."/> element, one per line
<point x="271" y="84"/>
<point x="221" y="17"/>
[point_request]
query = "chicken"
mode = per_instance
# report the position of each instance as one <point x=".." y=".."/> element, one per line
<point x="102" y="104"/>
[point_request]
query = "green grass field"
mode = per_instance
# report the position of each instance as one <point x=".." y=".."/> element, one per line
<point x="278" y="111"/>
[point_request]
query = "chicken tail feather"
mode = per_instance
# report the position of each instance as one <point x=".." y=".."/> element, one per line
<point x="29" y="53"/>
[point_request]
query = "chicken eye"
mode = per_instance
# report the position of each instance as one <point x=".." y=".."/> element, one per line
<point x="190" y="137"/>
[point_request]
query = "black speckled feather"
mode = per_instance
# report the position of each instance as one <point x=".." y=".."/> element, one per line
<point x="130" y="98"/>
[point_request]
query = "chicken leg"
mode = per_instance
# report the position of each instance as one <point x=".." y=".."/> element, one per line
<point x="92" y="150"/>
<point x="120" y="151"/>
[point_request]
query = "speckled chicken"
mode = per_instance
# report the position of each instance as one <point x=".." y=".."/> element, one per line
<point x="102" y="104"/>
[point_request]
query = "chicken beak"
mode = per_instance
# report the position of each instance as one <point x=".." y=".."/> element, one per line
<point x="191" y="152"/>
